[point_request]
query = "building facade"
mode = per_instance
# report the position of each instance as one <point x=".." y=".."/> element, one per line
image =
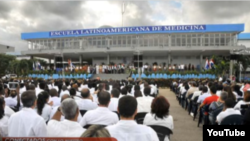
<point x="180" y="44"/>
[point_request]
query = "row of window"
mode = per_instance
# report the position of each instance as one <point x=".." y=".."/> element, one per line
<point x="150" y="40"/>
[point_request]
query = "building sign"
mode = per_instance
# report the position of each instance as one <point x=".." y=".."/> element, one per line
<point x="124" y="30"/>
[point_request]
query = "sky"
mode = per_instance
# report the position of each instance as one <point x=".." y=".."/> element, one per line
<point x="32" y="16"/>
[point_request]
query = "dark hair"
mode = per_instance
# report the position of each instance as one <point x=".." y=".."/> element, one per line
<point x="28" y="98"/>
<point x="237" y="90"/>
<point x="41" y="101"/>
<point x="200" y="87"/>
<point x="53" y="92"/>
<point x="127" y="106"/>
<point x="147" y="91"/>
<point x="124" y="91"/>
<point x="115" y="93"/>
<point x="42" y="85"/>
<point x="137" y="94"/>
<point x="229" y="92"/>
<point x="137" y="87"/>
<point x="219" y="87"/>
<point x="2" y="102"/>
<point x="213" y="89"/>
<point x="104" y="98"/>
<point x="186" y="87"/>
<point x="247" y="96"/>
<point x="160" y="107"/>
<point x="72" y="92"/>
<point x="229" y="103"/>
<point x="204" y="89"/>
<point x="31" y="87"/>
<point x="85" y="93"/>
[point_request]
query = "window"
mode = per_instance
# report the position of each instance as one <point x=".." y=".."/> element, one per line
<point x="156" y="38"/>
<point x="124" y="41"/>
<point x="183" y="40"/>
<point x="173" y="40"/>
<point x="129" y="41"/>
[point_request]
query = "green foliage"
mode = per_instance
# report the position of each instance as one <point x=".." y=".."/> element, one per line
<point x="4" y="63"/>
<point x="222" y="65"/>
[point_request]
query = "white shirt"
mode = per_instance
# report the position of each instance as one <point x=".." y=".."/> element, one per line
<point x="86" y="104"/>
<point x="65" y="128"/>
<point x="8" y="111"/>
<point x="56" y="101"/>
<point x="113" y="105"/>
<point x="53" y="111"/>
<point x="64" y="92"/>
<point x="129" y="130"/>
<point x="238" y="105"/>
<point x="4" y="126"/>
<point x="46" y="112"/>
<point x="22" y="90"/>
<point x="27" y="123"/>
<point x="227" y="112"/>
<point x="196" y="93"/>
<point x="218" y="93"/>
<point x="203" y="97"/>
<point x="78" y="93"/>
<point x="38" y="91"/>
<point x="144" y="104"/>
<point x="100" y="115"/>
<point x="11" y="102"/>
<point x="166" y="122"/>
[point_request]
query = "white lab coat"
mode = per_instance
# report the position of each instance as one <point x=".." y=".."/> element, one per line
<point x="86" y="104"/>
<point x="144" y="104"/>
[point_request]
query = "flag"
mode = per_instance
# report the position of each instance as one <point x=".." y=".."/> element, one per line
<point x="207" y="65"/>
<point x="38" y="66"/>
<point x="212" y="64"/>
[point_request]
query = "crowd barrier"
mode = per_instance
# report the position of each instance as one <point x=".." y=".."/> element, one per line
<point x="174" y="76"/>
<point x="58" y="76"/>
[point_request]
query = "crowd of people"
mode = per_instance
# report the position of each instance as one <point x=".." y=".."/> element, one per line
<point x="216" y="102"/>
<point x="83" y="108"/>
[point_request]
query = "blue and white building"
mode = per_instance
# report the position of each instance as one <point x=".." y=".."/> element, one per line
<point x="170" y="44"/>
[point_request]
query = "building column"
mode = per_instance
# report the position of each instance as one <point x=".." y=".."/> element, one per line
<point x="169" y="59"/>
<point x="80" y="60"/>
<point x="201" y="60"/>
<point x="31" y="57"/>
<point x="54" y="62"/>
<point x="231" y="69"/>
<point x="49" y="62"/>
<point x="108" y="59"/>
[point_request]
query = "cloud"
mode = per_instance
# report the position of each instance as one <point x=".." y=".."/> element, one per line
<point x="26" y="16"/>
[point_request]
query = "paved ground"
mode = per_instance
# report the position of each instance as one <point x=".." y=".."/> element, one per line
<point x="185" y="129"/>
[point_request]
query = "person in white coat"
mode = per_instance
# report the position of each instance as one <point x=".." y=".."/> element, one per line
<point x="127" y="129"/>
<point x="43" y="108"/>
<point x="3" y="119"/>
<point x="27" y="123"/>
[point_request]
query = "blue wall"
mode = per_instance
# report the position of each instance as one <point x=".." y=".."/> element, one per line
<point x="244" y="36"/>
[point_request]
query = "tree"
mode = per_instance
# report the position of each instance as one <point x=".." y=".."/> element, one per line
<point x="4" y="62"/>
<point x="221" y="64"/>
<point x="245" y="61"/>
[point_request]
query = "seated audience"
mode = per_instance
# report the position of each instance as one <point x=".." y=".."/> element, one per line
<point x="228" y="110"/>
<point x="69" y="127"/>
<point x="219" y="90"/>
<point x="3" y="119"/>
<point x="72" y="92"/>
<point x="86" y="103"/>
<point x="43" y="108"/>
<point x="208" y="100"/>
<point x="27" y="123"/>
<point x="160" y="114"/>
<point x="127" y="129"/>
<point x="144" y="103"/>
<point x="64" y="91"/>
<point x="197" y="93"/>
<point x="113" y="105"/>
<point x="101" y="115"/>
<point x="204" y="95"/>
<point x="54" y="97"/>
<point x="230" y="93"/>
<point x="245" y="101"/>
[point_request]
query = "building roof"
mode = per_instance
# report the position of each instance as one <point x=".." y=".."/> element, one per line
<point x="244" y="36"/>
<point x="105" y="30"/>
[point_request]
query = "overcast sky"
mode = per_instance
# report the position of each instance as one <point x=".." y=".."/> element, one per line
<point x="26" y="16"/>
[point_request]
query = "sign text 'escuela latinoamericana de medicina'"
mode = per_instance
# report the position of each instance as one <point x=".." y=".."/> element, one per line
<point x="121" y="30"/>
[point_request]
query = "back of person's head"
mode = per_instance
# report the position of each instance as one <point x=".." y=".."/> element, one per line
<point x="85" y="93"/>
<point x="64" y="87"/>
<point x="64" y="97"/>
<point x="124" y="91"/>
<point x="228" y="89"/>
<point x="236" y="88"/>
<point x="28" y="98"/>
<point x="2" y="105"/>
<point x="72" y="92"/>
<point x="69" y="109"/>
<point x="104" y="98"/>
<point x="229" y="103"/>
<point x="42" y="99"/>
<point x="247" y="96"/>
<point x="213" y="89"/>
<point x="160" y="107"/>
<point x="53" y="92"/>
<point x="115" y="93"/>
<point x="127" y="107"/>
<point x="137" y="88"/>
<point x="97" y="131"/>
<point x="223" y="96"/>
<point x="137" y="93"/>
<point x="31" y="87"/>
<point x="200" y="87"/>
<point x="42" y="85"/>
<point x="204" y="89"/>
<point x="186" y="86"/>
<point x="219" y="87"/>
<point x="147" y="91"/>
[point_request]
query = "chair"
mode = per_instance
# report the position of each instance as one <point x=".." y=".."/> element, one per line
<point x="244" y="108"/>
<point x="83" y="112"/>
<point x="232" y="120"/>
<point x="161" y="131"/>
<point x="195" y="106"/>
<point x="139" y="117"/>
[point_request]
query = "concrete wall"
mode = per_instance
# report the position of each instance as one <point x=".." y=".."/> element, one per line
<point x="244" y="42"/>
<point x="6" y="48"/>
